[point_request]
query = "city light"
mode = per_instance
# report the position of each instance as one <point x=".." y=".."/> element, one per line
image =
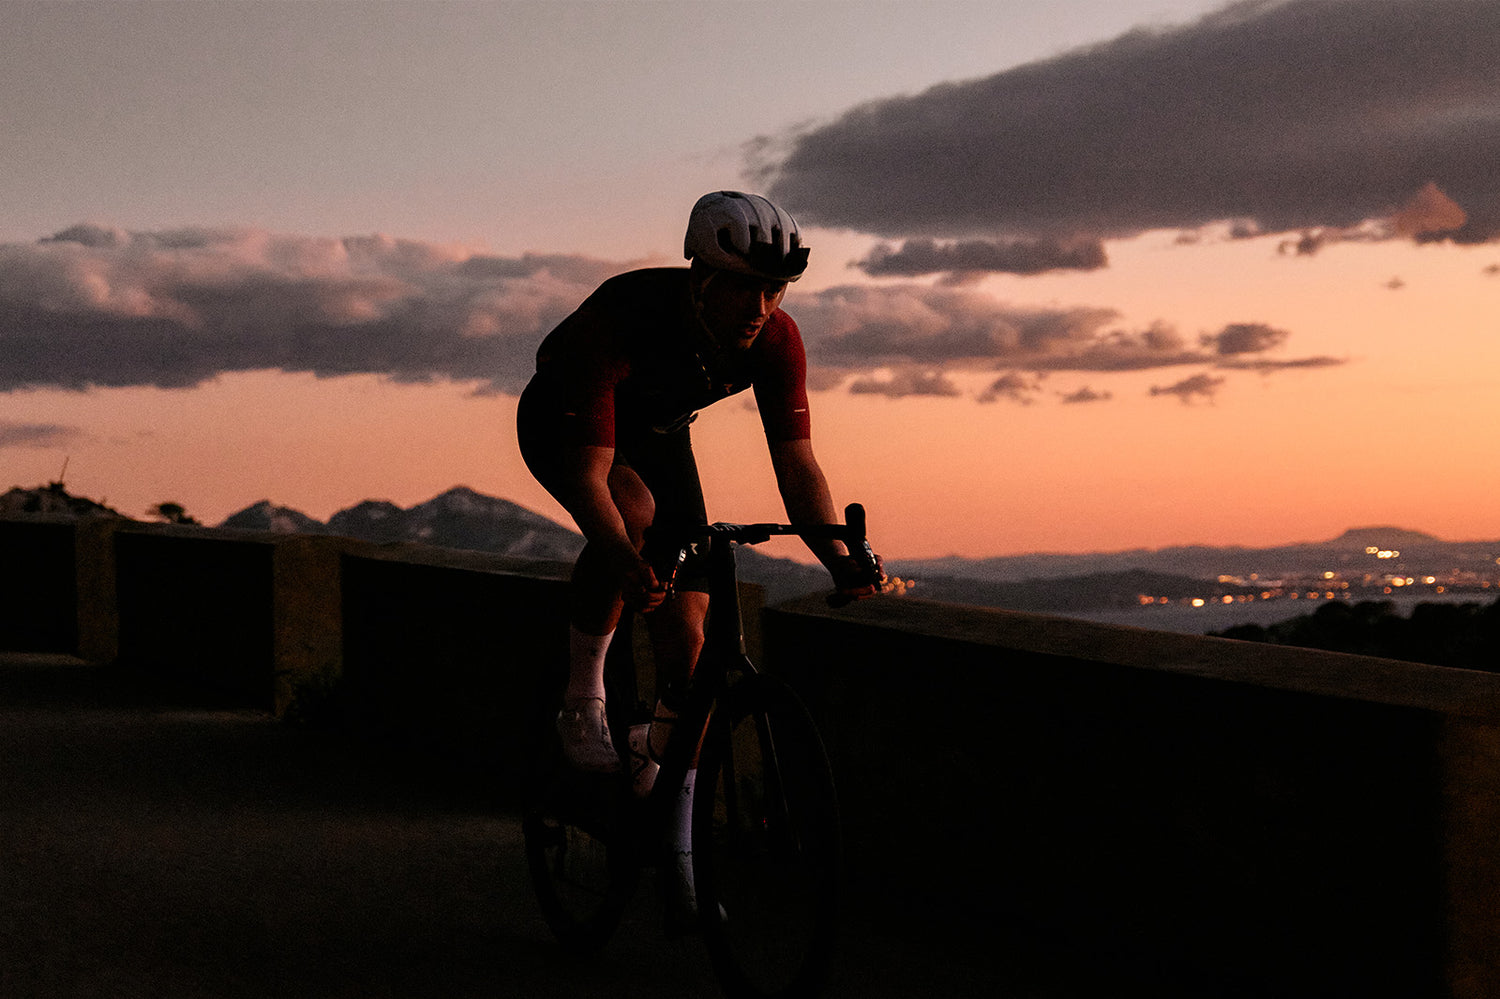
<point x="1329" y="585"/>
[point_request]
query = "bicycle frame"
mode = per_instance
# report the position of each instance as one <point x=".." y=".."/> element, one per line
<point x="724" y="651"/>
<point x="764" y="815"/>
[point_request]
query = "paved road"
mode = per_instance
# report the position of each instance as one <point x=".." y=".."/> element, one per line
<point x="156" y="850"/>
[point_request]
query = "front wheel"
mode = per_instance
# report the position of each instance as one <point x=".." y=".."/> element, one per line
<point x="766" y="844"/>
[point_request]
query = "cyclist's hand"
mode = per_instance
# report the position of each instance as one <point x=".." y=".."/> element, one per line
<point x="642" y="590"/>
<point x="854" y="579"/>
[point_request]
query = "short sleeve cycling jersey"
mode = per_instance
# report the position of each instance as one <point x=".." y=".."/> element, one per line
<point x="634" y="357"/>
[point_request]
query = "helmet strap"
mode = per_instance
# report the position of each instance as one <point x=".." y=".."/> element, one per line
<point x="696" y="287"/>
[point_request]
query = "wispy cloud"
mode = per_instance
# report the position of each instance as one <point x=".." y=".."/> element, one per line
<point x="37" y="435"/>
<point x="1086" y="394"/>
<point x="99" y="306"/>
<point x="923" y="328"/>
<point x="1338" y="118"/>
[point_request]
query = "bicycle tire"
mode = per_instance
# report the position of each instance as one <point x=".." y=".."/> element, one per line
<point x="583" y="867"/>
<point x="767" y="846"/>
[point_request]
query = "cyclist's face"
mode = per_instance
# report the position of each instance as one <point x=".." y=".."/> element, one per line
<point x="736" y="306"/>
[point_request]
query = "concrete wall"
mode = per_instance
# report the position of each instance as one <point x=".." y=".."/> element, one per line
<point x="1279" y="821"/>
<point x="37" y="585"/>
<point x="1244" y="819"/>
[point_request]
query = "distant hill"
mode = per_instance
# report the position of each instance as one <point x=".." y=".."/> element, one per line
<point x="1349" y="551"/>
<point x="1384" y="537"/>
<point x="465" y="519"/>
<point x="52" y="499"/>
<point x="264" y="516"/>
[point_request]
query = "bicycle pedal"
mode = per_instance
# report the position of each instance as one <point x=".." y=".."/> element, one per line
<point x="642" y="767"/>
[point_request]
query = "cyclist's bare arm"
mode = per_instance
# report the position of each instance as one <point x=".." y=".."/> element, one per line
<point x="804" y="491"/>
<point x="805" y="494"/>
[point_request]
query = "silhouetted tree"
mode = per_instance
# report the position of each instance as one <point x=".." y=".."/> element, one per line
<point x="1465" y="636"/>
<point x="172" y="513"/>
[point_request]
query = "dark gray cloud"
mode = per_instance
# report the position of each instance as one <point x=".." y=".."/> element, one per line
<point x="37" y="435"/>
<point x="94" y="306"/>
<point x="969" y="259"/>
<point x="100" y="306"/>
<point x="1339" y="118"/>
<point x="1268" y="365"/>
<point x="1199" y="386"/>
<point x="1086" y="394"/>
<point x="1245" y="338"/>
<point x="1014" y="386"/>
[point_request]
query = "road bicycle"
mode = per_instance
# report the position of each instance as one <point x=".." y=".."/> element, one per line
<point x="765" y="824"/>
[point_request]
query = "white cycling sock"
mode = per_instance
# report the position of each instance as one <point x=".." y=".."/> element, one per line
<point x="680" y="832"/>
<point x="585" y="665"/>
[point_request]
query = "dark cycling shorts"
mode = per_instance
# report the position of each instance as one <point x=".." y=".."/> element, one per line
<point x="664" y="461"/>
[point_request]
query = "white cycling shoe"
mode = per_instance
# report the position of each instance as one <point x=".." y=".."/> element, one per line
<point x="584" y="732"/>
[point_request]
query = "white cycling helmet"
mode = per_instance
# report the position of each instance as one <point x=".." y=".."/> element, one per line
<point x="745" y="233"/>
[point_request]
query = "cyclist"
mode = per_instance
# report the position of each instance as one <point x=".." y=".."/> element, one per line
<point x="604" y="427"/>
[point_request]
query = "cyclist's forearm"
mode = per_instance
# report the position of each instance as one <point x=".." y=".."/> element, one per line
<point x="805" y="494"/>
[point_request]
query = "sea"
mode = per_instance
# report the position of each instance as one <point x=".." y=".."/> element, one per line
<point x="1190" y="620"/>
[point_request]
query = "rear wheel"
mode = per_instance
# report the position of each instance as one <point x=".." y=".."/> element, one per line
<point x="766" y="844"/>
<point x="580" y="848"/>
<point x="583" y="869"/>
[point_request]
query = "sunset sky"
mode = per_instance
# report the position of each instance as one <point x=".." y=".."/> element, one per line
<point x="1086" y="274"/>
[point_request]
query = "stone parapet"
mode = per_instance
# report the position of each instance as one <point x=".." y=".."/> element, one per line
<point x="1282" y="822"/>
<point x="1232" y="818"/>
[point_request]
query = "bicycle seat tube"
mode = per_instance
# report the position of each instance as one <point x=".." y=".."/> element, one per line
<point x="725" y="631"/>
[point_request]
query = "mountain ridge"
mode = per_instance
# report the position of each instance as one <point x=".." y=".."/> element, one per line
<point x="1349" y="550"/>
<point x="457" y="518"/>
<point x="1038" y="581"/>
<point x="466" y="519"/>
<point x="463" y="518"/>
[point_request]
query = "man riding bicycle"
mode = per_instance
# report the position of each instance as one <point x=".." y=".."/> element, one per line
<point x="604" y="427"/>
